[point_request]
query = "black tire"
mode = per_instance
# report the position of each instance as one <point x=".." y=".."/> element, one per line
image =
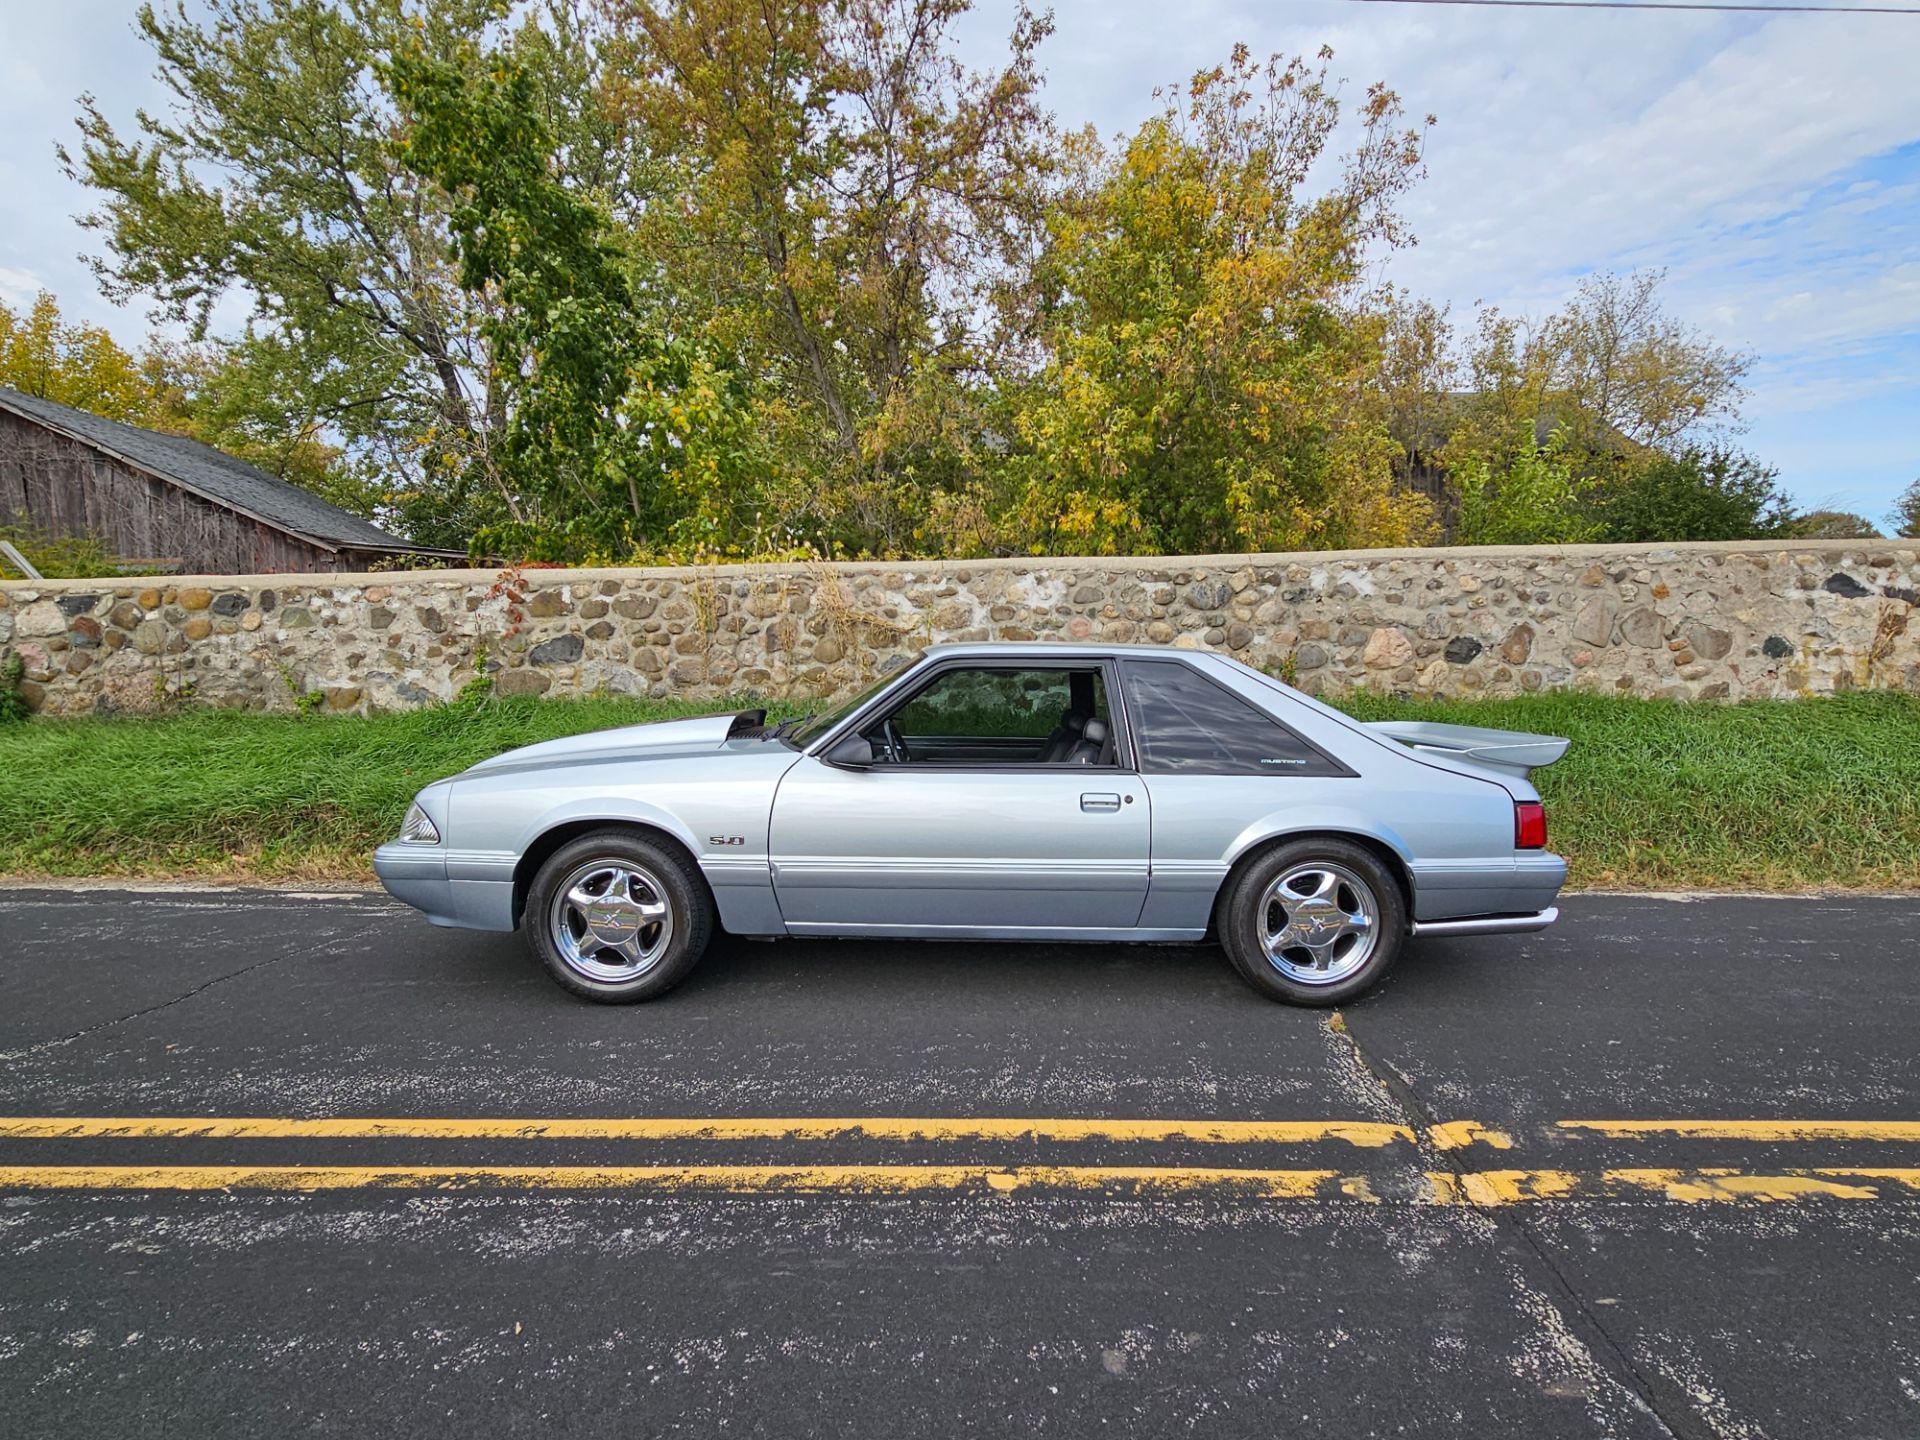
<point x="654" y="873"/>
<point x="1247" y="912"/>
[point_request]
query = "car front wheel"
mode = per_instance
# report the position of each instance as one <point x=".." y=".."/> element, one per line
<point x="617" y="918"/>
<point x="1314" y="921"/>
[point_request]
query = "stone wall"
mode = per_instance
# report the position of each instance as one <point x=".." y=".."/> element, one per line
<point x="1705" y="622"/>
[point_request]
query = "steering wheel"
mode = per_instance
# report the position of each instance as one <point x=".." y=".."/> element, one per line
<point x="896" y="747"/>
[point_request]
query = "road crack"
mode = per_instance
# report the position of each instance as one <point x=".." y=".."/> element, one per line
<point x="42" y="1046"/>
<point x="1668" y="1406"/>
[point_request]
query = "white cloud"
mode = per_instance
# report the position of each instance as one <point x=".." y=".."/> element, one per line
<point x="18" y="287"/>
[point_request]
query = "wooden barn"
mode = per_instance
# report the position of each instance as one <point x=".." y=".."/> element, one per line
<point x="165" y="499"/>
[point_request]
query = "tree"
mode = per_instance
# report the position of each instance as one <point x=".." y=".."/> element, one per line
<point x="1534" y="499"/>
<point x="1714" y="493"/>
<point x="1834" y="525"/>
<point x="1621" y="375"/>
<point x="854" y="200"/>
<point x="1418" y="381"/>
<point x="43" y="355"/>
<point x="275" y="176"/>
<point x="1641" y="403"/>
<point x="613" y="429"/>
<point x="1905" y="517"/>
<point x="1208" y="352"/>
<point x="1625" y="367"/>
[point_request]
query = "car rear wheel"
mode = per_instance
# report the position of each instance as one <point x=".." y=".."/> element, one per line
<point x="1314" y="921"/>
<point x="617" y="918"/>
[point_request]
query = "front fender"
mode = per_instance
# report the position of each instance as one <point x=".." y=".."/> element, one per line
<point x="739" y="880"/>
<point x="613" y="810"/>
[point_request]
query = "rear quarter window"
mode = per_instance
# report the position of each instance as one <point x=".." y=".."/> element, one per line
<point x="1185" y="723"/>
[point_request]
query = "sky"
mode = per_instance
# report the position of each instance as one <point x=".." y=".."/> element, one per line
<point x="1770" y="164"/>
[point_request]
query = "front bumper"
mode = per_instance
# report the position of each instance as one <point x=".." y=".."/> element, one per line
<point x="418" y="875"/>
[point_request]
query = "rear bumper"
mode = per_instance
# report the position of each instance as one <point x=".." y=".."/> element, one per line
<point x="417" y="875"/>
<point x="1524" y="883"/>
<point x="1488" y="924"/>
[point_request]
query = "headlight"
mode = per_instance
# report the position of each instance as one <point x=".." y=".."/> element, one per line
<point x="417" y="828"/>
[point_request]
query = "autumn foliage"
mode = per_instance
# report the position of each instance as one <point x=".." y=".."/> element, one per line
<point x="673" y="278"/>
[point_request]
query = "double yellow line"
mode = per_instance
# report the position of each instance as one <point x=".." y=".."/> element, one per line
<point x="1367" y="1134"/>
<point x="1470" y="1187"/>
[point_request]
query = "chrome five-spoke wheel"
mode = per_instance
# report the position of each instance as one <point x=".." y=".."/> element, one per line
<point x="1319" y="923"/>
<point x="618" y="915"/>
<point x="610" y="920"/>
<point x="1314" y="921"/>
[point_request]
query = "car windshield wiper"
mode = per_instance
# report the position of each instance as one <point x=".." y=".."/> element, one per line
<point x="792" y="722"/>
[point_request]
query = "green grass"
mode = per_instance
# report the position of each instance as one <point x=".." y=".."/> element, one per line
<point x="1767" y="794"/>
<point x="221" y="792"/>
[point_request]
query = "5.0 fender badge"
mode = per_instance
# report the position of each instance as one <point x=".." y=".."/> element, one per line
<point x="726" y="839"/>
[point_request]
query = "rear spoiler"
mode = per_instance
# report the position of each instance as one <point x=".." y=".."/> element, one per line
<point x="1508" y="749"/>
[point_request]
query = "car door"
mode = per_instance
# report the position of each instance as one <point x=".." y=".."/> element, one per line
<point x="955" y="842"/>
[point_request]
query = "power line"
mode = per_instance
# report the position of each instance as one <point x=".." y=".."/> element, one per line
<point x="1669" y="5"/>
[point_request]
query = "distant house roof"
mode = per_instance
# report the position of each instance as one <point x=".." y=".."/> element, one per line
<point x="217" y="477"/>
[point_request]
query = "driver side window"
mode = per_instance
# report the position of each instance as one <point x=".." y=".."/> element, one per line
<point x="1013" y="715"/>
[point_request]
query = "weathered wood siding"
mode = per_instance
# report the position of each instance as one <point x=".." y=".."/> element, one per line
<point x="62" y="487"/>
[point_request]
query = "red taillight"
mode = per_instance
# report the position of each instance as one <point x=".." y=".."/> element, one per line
<point x="1529" y="825"/>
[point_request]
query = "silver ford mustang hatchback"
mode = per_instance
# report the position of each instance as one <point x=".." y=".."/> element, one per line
<point x="999" y="792"/>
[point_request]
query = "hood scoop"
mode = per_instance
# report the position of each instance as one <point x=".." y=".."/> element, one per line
<point x="703" y="732"/>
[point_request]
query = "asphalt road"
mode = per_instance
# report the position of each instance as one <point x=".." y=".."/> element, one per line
<point x="1217" y="1217"/>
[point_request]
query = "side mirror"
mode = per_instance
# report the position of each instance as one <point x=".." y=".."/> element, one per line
<point x="850" y="752"/>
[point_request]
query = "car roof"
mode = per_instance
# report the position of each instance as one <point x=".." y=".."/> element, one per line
<point x="1028" y="649"/>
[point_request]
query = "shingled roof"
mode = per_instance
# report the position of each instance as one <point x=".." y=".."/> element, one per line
<point x="217" y="477"/>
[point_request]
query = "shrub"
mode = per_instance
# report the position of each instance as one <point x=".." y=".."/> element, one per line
<point x="13" y="704"/>
<point x="1717" y="494"/>
<point x="58" y="557"/>
<point x="1905" y="518"/>
<point x="1535" y="501"/>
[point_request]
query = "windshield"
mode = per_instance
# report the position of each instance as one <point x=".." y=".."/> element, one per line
<point x="813" y="727"/>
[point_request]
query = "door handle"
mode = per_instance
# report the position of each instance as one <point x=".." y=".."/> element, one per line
<point x="1099" y="802"/>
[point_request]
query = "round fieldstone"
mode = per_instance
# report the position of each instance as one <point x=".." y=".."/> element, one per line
<point x="1387" y="648"/>
<point x="150" y="637"/>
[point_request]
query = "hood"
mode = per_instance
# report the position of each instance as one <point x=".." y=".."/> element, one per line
<point x="661" y="738"/>
<point x="1513" y="751"/>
